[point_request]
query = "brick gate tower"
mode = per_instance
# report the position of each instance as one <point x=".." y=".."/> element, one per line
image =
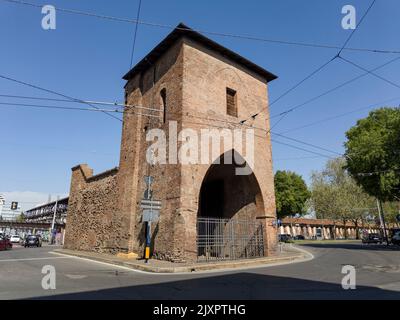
<point x="187" y="86"/>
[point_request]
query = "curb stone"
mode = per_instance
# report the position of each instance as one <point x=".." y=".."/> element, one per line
<point x="298" y="255"/>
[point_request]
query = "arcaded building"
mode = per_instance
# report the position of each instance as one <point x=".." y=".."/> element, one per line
<point x="187" y="83"/>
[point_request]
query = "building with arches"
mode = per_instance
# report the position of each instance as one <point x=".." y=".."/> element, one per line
<point x="187" y="83"/>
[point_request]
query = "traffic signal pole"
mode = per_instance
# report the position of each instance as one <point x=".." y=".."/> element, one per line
<point x="382" y="220"/>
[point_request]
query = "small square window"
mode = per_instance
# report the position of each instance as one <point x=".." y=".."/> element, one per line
<point x="231" y="102"/>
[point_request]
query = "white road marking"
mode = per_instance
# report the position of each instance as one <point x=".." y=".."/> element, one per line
<point x="104" y="263"/>
<point x="33" y="259"/>
<point x="76" y="276"/>
<point x="309" y="257"/>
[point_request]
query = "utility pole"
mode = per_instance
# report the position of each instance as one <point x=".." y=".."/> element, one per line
<point x="151" y="211"/>
<point x="54" y="218"/>
<point x="382" y="220"/>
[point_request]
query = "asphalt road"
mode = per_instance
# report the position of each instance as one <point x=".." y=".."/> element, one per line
<point x="377" y="277"/>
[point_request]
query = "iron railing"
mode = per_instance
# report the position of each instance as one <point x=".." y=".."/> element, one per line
<point x="229" y="239"/>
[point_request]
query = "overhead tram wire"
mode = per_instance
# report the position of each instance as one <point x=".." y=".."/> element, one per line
<point x="313" y="73"/>
<point x="297" y="158"/>
<point x="358" y="25"/>
<point x="370" y="72"/>
<point x="307" y="144"/>
<point x="95" y="110"/>
<point x="310" y="75"/>
<point x="191" y="116"/>
<point x="37" y="106"/>
<point x="320" y="68"/>
<point x="136" y="30"/>
<point x="302" y="149"/>
<point x="334" y="88"/>
<point x="218" y="120"/>
<point x="338" y="116"/>
<point x="80" y="101"/>
<point x="56" y="93"/>
<point x="215" y="33"/>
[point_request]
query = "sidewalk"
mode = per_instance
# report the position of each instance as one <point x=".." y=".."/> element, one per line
<point x="289" y="254"/>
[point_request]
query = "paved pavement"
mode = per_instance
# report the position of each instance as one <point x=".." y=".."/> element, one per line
<point x="378" y="277"/>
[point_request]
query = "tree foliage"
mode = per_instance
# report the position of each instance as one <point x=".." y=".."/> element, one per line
<point x="336" y="195"/>
<point x="21" y="218"/>
<point x="291" y="194"/>
<point x="373" y="153"/>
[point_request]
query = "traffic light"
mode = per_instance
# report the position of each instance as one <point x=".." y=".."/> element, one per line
<point x="14" y="205"/>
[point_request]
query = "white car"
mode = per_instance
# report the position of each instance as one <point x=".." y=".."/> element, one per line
<point x="15" y="239"/>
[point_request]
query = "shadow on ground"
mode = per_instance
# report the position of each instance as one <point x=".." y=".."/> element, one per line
<point x="247" y="286"/>
<point x="357" y="246"/>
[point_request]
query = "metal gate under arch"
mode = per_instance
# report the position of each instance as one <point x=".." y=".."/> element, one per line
<point x="229" y="239"/>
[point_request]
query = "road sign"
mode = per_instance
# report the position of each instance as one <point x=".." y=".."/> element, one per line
<point x="148" y="179"/>
<point x="151" y="215"/>
<point x="148" y="194"/>
<point x="150" y="204"/>
<point x="14" y="205"/>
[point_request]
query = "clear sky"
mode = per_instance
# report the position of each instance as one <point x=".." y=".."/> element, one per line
<point x="86" y="57"/>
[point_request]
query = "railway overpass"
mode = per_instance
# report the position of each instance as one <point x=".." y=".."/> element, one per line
<point x="39" y="219"/>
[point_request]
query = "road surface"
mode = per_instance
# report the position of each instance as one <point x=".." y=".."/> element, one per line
<point x="377" y="277"/>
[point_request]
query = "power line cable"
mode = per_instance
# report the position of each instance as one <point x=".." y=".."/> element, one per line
<point x="56" y="93"/>
<point x="80" y="101"/>
<point x="70" y="108"/>
<point x="302" y="149"/>
<point x="370" y="72"/>
<point x="313" y="73"/>
<point x="291" y="89"/>
<point x="199" y="117"/>
<point x="238" y="36"/>
<point x="334" y="89"/>
<point x="306" y="143"/>
<point x="297" y="158"/>
<point x="359" y="23"/>
<point x="338" y="116"/>
<point x="136" y="29"/>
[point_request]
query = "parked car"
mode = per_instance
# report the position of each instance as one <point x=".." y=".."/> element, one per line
<point x="15" y="239"/>
<point x="285" y="237"/>
<point x="33" y="241"/>
<point x="5" y="243"/>
<point x="372" y="238"/>
<point x="396" y="238"/>
<point x="299" y="237"/>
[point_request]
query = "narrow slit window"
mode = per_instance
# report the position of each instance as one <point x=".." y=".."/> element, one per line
<point x="231" y="102"/>
<point x="163" y="95"/>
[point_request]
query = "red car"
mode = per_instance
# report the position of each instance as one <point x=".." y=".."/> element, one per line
<point x="5" y="243"/>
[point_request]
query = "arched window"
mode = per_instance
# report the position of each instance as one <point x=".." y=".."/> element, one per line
<point x="163" y="95"/>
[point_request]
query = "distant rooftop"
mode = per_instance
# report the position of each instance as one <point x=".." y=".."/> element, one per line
<point x="184" y="31"/>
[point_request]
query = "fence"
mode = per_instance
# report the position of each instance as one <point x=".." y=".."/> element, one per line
<point x="229" y="239"/>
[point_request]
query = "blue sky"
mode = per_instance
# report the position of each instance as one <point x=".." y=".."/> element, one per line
<point x="86" y="57"/>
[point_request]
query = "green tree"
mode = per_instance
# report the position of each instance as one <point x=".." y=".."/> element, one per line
<point x="336" y="195"/>
<point x="392" y="209"/>
<point x="373" y="153"/>
<point x="21" y="217"/>
<point x="291" y="194"/>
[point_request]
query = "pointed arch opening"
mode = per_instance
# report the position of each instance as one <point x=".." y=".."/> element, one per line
<point x="229" y="204"/>
<point x="224" y="194"/>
